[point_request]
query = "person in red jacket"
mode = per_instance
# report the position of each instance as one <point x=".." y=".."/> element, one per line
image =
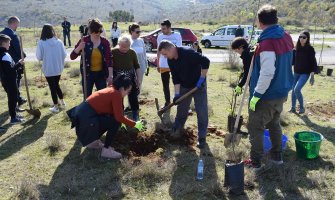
<point x="101" y="112"/>
<point x="97" y="57"/>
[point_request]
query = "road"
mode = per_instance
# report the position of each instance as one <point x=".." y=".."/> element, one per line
<point x="221" y="55"/>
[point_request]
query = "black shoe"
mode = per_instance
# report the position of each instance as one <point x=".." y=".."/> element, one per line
<point x="18" y="109"/>
<point x="127" y="110"/>
<point x="201" y="143"/>
<point x="22" y="101"/>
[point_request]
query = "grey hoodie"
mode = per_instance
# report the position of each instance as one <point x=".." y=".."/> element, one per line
<point x="52" y="52"/>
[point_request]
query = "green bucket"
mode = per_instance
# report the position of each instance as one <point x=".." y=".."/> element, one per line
<point x="308" y="144"/>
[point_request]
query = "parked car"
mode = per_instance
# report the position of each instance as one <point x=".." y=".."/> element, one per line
<point x="223" y="36"/>
<point x="150" y="39"/>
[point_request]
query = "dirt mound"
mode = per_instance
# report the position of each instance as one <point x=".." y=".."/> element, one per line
<point x="323" y="110"/>
<point x="212" y="129"/>
<point x="133" y="143"/>
<point x="146" y="101"/>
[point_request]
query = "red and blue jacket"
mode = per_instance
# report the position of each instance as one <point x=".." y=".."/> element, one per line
<point x="272" y="76"/>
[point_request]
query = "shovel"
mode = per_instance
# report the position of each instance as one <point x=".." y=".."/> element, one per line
<point x="35" y="112"/>
<point x="160" y="112"/>
<point x="233" y="139"/>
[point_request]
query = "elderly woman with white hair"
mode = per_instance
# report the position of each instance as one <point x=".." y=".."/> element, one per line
<point x="125" y="62"/>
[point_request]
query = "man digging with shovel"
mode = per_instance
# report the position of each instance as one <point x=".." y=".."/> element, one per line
<point x="189" y="71"/>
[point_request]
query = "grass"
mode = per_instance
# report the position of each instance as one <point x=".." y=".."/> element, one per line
<point x="46" y="152"/>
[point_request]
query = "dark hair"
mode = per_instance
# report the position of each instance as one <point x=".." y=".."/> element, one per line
<point x="114" y="23"/>
<point x="47" y="32"/>
<point x="166" y="23"/>
<point x="239" y="42"/>
<point x="165" y="44"/>
<point x="13" y="19"/>
<point x="95" y="26"/>
<point x="298" y="45"/>
<point x="122" y="81"/>
<point x="133" y="27"/>
<point x="267" y="15"/>
<point x="4" y="38"/>
<point x="197" y="43"/>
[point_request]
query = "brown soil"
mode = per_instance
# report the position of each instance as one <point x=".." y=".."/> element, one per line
<point x="215" y="130"/>
<point x="145" y="101"/>
<point x="133" y="143"/>
<point x="322" y="110"/>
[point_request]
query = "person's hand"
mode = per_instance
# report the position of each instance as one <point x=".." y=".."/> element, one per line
<point x="311" y="80"/>
<point x="123" y="126"/>
<point x="175" y="98"/>
<point x="80" y="46"/>
<point x="201" y="81"/>
<point x="139" y="126"/>
<point x="21" y="61"/>
<point x="238" y="90"/>
<point x="253" y="103"/>
<point x="109" y="80"/>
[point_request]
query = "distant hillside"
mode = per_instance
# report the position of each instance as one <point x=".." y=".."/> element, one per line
<point x="291" y="12"/>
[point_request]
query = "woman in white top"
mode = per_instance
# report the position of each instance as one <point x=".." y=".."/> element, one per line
<point x="139" y="47"/>
<point x="52" y="52"/>
<point x="115" y="33"/>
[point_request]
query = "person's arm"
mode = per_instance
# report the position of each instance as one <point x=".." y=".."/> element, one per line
<point x="179" y="40"/>
<point x="64" y="50"/>
<point x="39" y="53"/>
<point x="108" y="57"/>
<point x="267" y="72"/>
<point x="118" y="32"/>
<point x="158" y="53"/>
<point x="69" y="26"/>
<point x="145" y="55"/>
<point x="313" y="61"/>
<point x="118" y="111"/>
<point x="246" y="67"/>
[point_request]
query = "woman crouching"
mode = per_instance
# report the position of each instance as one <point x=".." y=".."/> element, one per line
<point x="101" y="112"/>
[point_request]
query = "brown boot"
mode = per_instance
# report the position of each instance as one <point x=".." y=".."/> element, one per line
<point x="97" y="144"/>
<point x="110" y="153"/>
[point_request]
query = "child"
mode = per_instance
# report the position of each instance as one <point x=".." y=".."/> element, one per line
<point x="8" y="77"/>
<point x="241" y="46"/>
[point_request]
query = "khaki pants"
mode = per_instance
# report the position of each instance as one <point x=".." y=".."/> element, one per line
<point x="267" y="115"/>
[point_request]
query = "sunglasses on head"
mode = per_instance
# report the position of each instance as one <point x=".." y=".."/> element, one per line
<point x="303" y="37"/>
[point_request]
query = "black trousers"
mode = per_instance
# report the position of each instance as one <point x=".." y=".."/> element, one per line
<point x="166" y="86"/>
<point x="109" y="124"/>
<point x="114" y="41"/>
<point x="10" y="86"/>
<point x="55" y="90"/>
<point x="18" y="81"/>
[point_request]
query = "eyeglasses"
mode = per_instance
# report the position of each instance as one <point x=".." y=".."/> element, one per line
<point x="138" y="32"/>
<point x="303" y="37"/>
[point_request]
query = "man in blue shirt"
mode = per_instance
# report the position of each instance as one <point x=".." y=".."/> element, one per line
<point x="189" y="70"/>
<point x="15" y="52"/>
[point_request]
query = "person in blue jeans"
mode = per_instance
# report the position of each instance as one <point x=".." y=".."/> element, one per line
<point x="305" y="66"/>
<point x="189" y="70"/>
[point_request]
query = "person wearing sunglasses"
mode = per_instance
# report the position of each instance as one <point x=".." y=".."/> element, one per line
<point x="137" y="44"/>
<point x="97" y="57"/>
<point x="305" y="66"/>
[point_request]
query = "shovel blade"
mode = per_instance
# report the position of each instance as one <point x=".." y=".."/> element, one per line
<point x="36" y="113"/>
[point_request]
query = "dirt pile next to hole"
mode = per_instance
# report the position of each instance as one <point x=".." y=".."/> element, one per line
<point x="323" y="110"/>
<point x="215" y="130"/>
<point x="145" y="101"/>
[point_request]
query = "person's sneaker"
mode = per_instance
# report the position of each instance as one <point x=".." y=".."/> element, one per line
<point x="201" y="143"/>
<point x="302" y="111"/>
<point x="2" y="129"/>
<point x="22" y="101"/>
<point x="293" y="110"/>
<point x="97" y="144"/>
<point x="255" y="167"/>
<point x="54" y="109"/>
<point x="110" y="153"/>
<point x="16" y="120"/>
<point x="18" y="109"/>
<point x="176" y="134"/>
<point x="276" y="159"/>
<point x="19" y="116"/>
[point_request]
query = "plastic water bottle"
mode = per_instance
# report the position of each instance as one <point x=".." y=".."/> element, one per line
<point x="200" y="170"/>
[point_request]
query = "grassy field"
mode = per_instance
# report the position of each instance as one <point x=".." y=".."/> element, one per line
<point x="41" y="159"/>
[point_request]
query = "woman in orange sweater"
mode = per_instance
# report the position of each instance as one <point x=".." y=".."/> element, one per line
<point x="101" y="112"/>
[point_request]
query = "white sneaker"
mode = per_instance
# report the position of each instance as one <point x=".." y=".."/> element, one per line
<point x="54" y="109"/>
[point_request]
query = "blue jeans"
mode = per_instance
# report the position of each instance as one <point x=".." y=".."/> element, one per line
<point x="201" y="108"/>
<point x="299" y="82"/>
<point x="95" y="78"/>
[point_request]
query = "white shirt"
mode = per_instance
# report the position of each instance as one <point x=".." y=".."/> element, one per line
<point x="115" y="33"/>
<point x="175" y="38"/>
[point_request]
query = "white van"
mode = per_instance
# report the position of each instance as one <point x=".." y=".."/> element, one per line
<point x="224" y="36"/>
